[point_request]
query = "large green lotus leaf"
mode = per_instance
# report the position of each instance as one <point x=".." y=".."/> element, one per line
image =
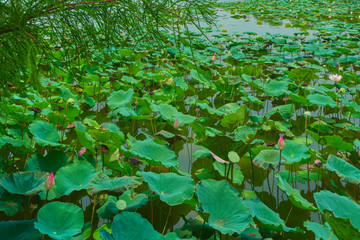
<point x="240" y="117"/>
<point x="321" y="100"/>
<point x="74" y="177"/>
<point x="169" y="112"/>
<point x="154" y="153"/>
<point x="242" y="132"/>
<point x="340" y="206"/>
<point x="268" y="218"/>
<point x="52" y="162"/>
<point x="268" y="159"/>
<point x="344" y="170"/>
<point x="338" y="143"/>
<point x="19" y="230"/>
<point x="45" y="133"/>
<point x="108" y="208"/>
<point x="228" y="213"/>
<point x="101" y="182"/>
<point x="120" y="98"/>
<point x="25" y="183"/>
<point x="60" y="220"/>
<point x="238" y="177"/>
<point x="10" y="203"/>
<point x="172" y="188"/>
<point x="133" y="200"/>
<point x="321" y="232"/>
<point x="294" y="195"/>
<point x="130" y="226"/>
<point x="286" y="111"/>
<point x="294" y="152"/>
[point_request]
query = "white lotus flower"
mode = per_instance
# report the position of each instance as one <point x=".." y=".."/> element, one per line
<point x="335" y="78"/>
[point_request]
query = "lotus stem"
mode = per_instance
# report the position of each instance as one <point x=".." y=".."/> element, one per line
<point x="287" y="218"/>
<point x="202" y="228"/>
<point x="92" y="213"/>
<point x="103" y="160"/>
<point x="232" y="173"/>
<point x="279" y="162"/>
<point x="252" y="171"/>
<point x="214" y="234"/>
<point x="167" y="219"/>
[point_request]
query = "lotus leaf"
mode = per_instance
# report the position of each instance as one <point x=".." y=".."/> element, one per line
<point x="172" y="188"/>
<point x="294" y="195"/>
<point x="294" y="152"/>
<point x="268" y="218"/>
<point x="228" y="213"/>
<point x="19" y="230"/>
<point x="133" y="200"/>
<point x="45" y="133"/>
<point x="60" y="220"/>
<point x="52" y="162"/>
<point x="24" y="183"/>
<point x="321" y="100"/>
<point x="154" y="153"/>
<point x="344" y="170"/>
<point x="340" y="206"/>
<point x="73" y="177"/>
<point x="101" y="182"/>
<point x="322" y="232"/>
<point x="108" y="208"/>
<point x="268" y="159"/>
<point x="119" y="99"/>
<point x="126" y="226"/>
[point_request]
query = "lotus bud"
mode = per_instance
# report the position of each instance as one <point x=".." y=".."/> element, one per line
<point x="176" y="123"/>
<point x="220" y="160"/>
<point x="81" y="151"/>
<point x="318" y="163"/>
<point x="342" y="90"/>
<point x="48" y="84"/>
<point x="213" y="58"/>
<point x="281" y="143"/>
<point x="104" y="148"/>
<point x="36" y="110"/>
<point x="49" y="184"/>
<point x="60" y="108"/>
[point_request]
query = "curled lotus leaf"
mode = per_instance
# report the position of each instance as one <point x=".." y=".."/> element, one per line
<point x="341" y="207"/>
<point x="269" y="219"/>
<point x="320" y="231"/>
<point x="294" y="195"/>
<point x="126" y="226"/>
<point x="172" y="188"/>
<point x="228" y="213"/>
<point x="60" y="220"/>
<point x="101" y="182"/>
<point x="24" y="183"/>
<point x="268" y="159"/>
<point x="344" y="170"/>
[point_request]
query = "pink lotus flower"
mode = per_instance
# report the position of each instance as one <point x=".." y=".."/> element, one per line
<point x="335" y="78"/>
<point x="220" y="160"/>
<point x="281" y="143"/>
<point x="213" y="58"/>
<point x="176" y="123"/>
<point x="49" y="184"/>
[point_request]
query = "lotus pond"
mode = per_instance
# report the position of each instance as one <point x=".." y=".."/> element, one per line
<point x="244" y="130"/>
